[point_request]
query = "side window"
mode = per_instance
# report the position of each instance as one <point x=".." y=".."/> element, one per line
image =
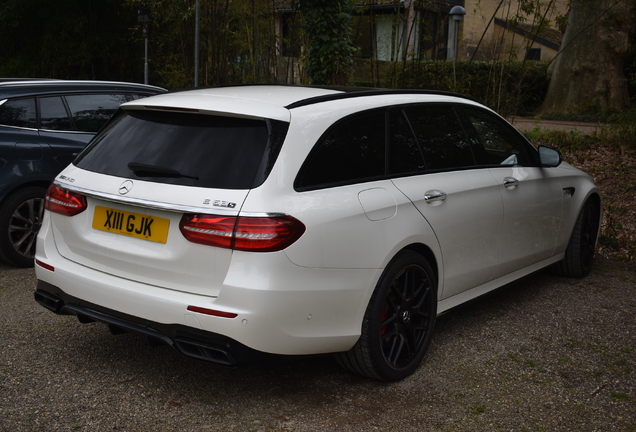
<point x="19" y="113"/>
<point x="441" y="137"/>
<point x="350" y="152"/>
<point x="405" y="156"/>
<point x="91" y="112"/>
<point x="53" y="115"/>
<point x="503" y="145"/>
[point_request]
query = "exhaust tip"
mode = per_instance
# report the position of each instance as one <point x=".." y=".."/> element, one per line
<point x="84" y="319"/>
<point x="205" y="352"/>
<point x="49" y="301"/>
<point x="116" y="330"/>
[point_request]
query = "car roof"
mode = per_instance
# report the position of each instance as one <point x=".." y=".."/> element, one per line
<point x="26" y="87"/>
<point x="261" y="101"/>
<point x="251" y="101"/>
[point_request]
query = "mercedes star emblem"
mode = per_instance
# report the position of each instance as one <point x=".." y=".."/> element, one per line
<point x="125" y="187"/>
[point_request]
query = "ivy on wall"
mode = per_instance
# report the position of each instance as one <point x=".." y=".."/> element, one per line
<point x="329" y="48"/>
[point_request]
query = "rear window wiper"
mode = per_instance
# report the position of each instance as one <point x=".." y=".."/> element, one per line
<point x="145" y="170"/>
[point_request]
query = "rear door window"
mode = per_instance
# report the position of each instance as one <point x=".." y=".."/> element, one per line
<point x="405" y="155"/>
<point x="19" y="113"/>
<point x="53" y="114"/>
<point x="186" y="149"/>
<point x="441" y="136"/>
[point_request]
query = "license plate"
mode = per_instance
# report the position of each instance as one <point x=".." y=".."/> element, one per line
<point x="131" y="224"/>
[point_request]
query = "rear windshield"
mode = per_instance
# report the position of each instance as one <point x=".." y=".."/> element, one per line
<point x="186" y="149"/>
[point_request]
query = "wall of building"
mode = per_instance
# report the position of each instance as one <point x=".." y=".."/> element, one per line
<point x="497" y="42"/>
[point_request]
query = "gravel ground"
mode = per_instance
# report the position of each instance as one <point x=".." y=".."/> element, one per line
<point x="543" y="354"/>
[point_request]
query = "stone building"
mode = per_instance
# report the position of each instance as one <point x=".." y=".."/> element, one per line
<point x="490" y="31"/>
<point x="386" y="31"/>
<point x="391" y="30"/>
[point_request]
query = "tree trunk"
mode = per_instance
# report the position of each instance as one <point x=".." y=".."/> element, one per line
<point x="587" y="75"/>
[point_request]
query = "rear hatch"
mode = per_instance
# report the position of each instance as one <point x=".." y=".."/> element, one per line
<point x="147" y="169"/>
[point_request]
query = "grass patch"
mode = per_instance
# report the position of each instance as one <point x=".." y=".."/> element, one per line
<point x="572" y="140"/>
<point x="478" y="409"/>
<point x="630" y="426"/>
<point x="621" y="396"/>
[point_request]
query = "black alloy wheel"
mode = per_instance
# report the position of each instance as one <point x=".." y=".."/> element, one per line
<point x="404" y="319"/>
<point x="399" y="321"/>
<point x="20" y="221"/>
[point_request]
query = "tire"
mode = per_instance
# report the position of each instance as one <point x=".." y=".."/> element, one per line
<point x="20" y="221"/>
<point x="579" y="255"/>
<point x="398" y="324"/>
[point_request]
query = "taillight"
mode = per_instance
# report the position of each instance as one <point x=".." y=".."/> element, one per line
<point x="208" y="229"/>
<point x="266" y="234"/>
<point x="63" y="201"/>
<point x="255" y="234"/>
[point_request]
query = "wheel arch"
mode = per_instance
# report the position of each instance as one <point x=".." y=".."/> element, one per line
<point x="371" y="356"/>
<point x="579" y="251"/>
<point x="21" y="215"/>
<point x="572" y="206"/>
<point x="595" y="198"/>
<point x="37" y="182"/>
<point x="429" y="255"/>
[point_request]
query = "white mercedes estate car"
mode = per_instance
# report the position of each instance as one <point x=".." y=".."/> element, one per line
<point x="233" y="223"/>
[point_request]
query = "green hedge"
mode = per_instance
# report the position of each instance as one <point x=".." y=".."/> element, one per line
<point x="510" y="88"/>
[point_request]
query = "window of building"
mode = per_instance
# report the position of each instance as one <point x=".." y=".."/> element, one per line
<point x="363" y="36"/>
<point x="291" y="41"/>
<point x="433" y="35"/>
<point x="533" y="54"/>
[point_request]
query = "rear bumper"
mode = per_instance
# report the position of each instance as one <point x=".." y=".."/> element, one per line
<point x="278" y="307"/>
<point x="187" y="341"/>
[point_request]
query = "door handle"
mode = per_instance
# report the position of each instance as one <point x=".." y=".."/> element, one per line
<point x="434" y="197"/>
<point x="510" y="182"/>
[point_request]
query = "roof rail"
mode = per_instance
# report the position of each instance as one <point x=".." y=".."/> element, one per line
<point x="346" y="92"/>
<point x="371" y="92"/>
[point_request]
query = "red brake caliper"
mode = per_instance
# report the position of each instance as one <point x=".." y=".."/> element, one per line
<point x="382" y="318"/>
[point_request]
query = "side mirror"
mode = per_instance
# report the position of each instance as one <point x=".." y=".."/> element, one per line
<point x="549" y="157"/>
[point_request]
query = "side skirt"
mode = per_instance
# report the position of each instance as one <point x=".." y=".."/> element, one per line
<point x="456" y="300"/>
